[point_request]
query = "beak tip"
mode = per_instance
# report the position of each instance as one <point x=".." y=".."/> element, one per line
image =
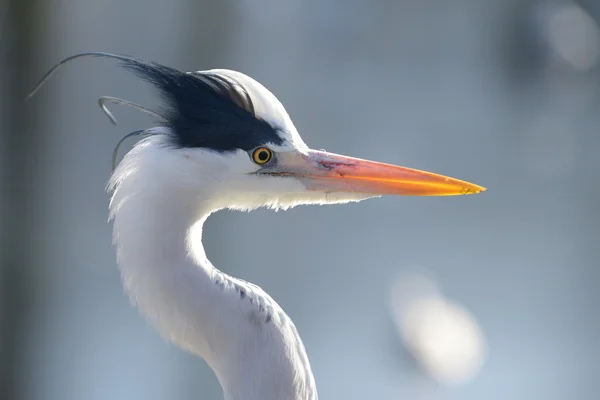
<point x="473" y="189"/>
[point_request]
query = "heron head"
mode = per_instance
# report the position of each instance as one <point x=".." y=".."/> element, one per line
<point x="233" y="138"/>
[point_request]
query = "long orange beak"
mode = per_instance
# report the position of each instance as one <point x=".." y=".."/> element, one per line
<point x="328" y="172"/>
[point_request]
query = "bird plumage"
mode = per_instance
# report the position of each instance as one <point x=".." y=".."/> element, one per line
<point x="241" y="332"/>
<point x="163" y="191"/>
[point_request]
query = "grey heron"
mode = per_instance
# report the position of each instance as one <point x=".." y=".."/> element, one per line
<point x="223" y="141"/>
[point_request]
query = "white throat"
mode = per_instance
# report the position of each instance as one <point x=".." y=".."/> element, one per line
<point x="241" y="332"/>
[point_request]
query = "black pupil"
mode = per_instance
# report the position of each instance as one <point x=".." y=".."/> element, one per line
<point x="263" y="155"/>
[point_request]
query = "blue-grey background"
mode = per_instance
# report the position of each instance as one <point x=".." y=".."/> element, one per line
<point x="500" y="93"/>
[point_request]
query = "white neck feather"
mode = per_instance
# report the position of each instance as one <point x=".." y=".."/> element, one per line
<point x="244" y="336"/>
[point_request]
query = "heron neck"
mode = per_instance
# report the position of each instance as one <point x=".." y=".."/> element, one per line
<point x="242" y="334"/>
<point x="169" y="279"/>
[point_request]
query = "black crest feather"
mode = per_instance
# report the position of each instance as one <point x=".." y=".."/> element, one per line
<point x="203" y="109"/>
<point x="206" y="109"/>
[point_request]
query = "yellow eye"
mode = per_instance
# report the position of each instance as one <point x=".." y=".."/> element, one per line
<point x="262" y="155"/>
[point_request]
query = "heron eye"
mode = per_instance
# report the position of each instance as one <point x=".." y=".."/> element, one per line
<point x="262" y="155"/>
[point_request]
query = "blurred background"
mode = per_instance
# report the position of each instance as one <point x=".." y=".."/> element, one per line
<point x="491" y="296"/>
